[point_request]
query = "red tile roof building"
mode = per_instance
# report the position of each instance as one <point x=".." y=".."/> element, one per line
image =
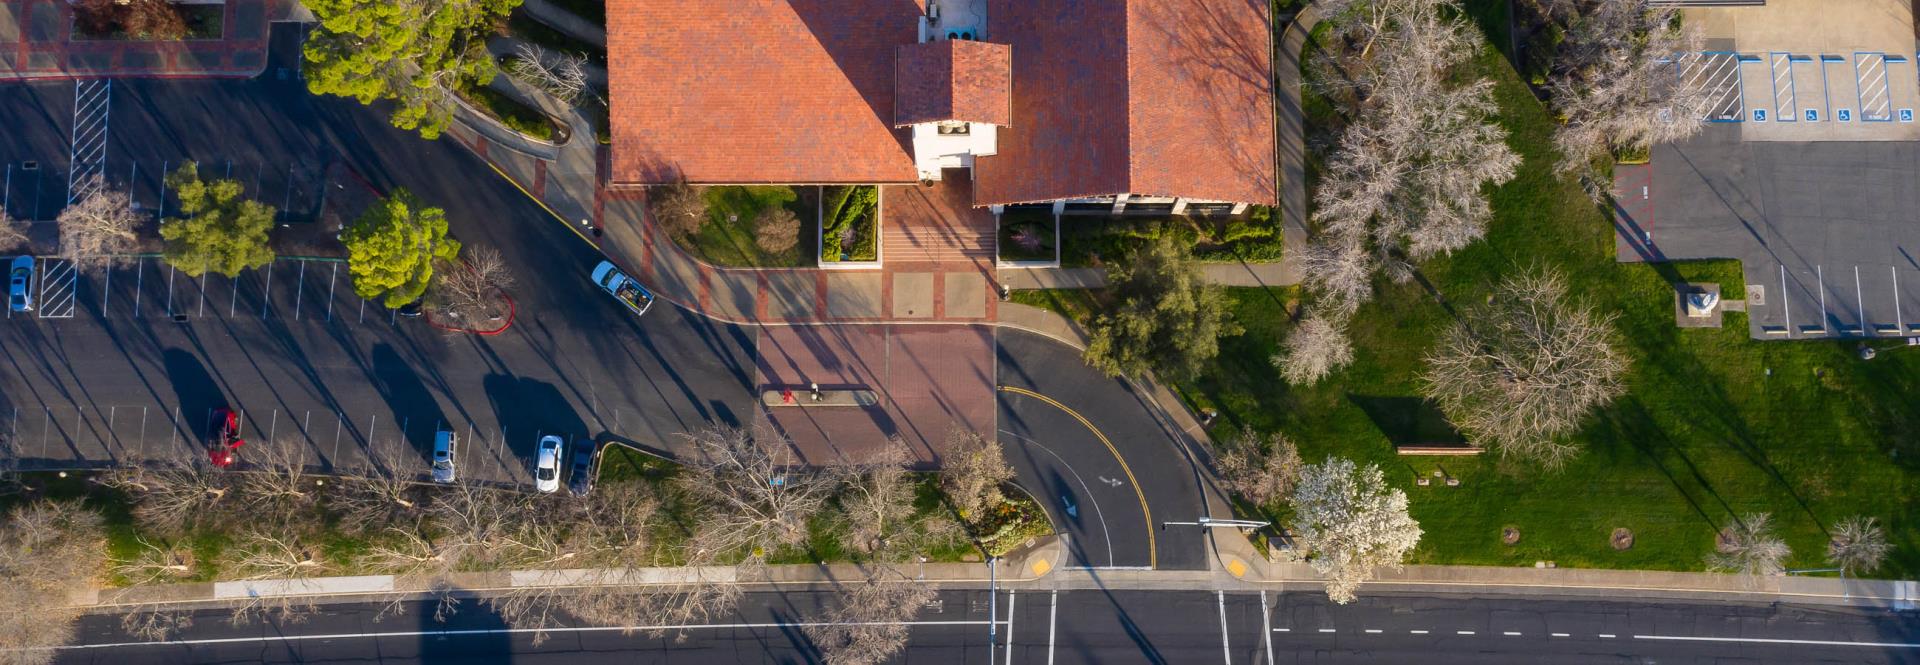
<point x="1090" y="98"/>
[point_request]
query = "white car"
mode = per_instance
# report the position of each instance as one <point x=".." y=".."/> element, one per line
<point x="443" y="444"/>
<point x="546" y="465"/>
<point x="623" y="288"/>
<point x="20" y="285"/>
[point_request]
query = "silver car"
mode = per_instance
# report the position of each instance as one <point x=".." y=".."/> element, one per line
<point x="443" y="448"/>
<point x="546" y="464"/>
<point x="20" y="285"/>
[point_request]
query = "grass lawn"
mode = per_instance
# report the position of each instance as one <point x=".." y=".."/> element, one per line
<point x="1713" y="424"/>
<point x="727" y="236"/>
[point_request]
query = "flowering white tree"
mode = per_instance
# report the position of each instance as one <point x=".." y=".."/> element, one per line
<point x="1749" y="548"/>
<point x="1351" y="523"/>
<point x="1616" y="80"/>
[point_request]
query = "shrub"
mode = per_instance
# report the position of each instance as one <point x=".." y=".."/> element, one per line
<point x="776" y="230"/>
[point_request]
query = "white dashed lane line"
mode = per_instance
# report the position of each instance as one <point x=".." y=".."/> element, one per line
<point x="1664" y="638"/>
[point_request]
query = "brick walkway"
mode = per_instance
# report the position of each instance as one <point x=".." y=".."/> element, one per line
<point x="37" y="42"/>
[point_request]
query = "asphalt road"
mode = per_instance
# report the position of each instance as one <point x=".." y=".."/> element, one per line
<point x="1091" y="451"/>
<point x="290" y="346"/>
<point x="1083" y="626"/>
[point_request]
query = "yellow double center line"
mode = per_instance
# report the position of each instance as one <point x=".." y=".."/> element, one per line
<point x="1153" y="552"/>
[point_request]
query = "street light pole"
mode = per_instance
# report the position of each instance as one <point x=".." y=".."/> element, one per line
<point x="1211" y="523"/>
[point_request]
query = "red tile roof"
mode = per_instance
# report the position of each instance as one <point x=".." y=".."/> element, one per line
<point x="1153" y="97"/>
<point x="757" y="91"/>
<point x="953" y="79"/>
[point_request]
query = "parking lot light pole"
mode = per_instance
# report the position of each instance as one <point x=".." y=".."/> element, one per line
<point x="1211" y="523"/>
<point x="993" y="608"/>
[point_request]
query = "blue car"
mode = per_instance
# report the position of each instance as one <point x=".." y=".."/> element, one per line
<point x="20" y="285"/>
<point x="623" y="288"/>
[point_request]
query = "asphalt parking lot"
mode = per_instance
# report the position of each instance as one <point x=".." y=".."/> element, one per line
<point x="1825" y="230"/>
<point x="104" y="373"/>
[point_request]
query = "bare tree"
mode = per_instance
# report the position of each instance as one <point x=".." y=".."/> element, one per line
<point x="1352" y="523"/>
<point x="1522" y="371"/>
<point x="1407" y="179"/>
<point x="476" y="290"/>
<point x="276" y="481"/>
<point x="1314" y="349"/>
<point x="155" y="622"/>
<point x="13" y="233"/>
<point x="99" y="229"/>
<point x="680" y="209"/>
<point x="1858" y="545"/>
<point x="776" y="230"/>
<point x="376" y="495"/>
<point x="1618" y="81"/>
<point x="48" y="551"/>
<point x="171" y="498"/>
<point x="1749" y="548"/>
<point x="1261" y="476"/>
<point x="878" y="501"/>
<point x="563" y="75"/>
<point x="155" y="563"/>
<point x="870" y="621"/>
<point x="287" y="559"/>
<point x="754" y="494"/>
<point x="972" y="469"/>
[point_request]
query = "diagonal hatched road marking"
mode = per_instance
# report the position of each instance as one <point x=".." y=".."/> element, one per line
<point x="91" y="101"/>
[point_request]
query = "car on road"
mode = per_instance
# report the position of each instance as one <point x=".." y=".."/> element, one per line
<point x="580" y="476"/>
<point x="546" y="464"/>
<point x="443" y="443"/>
<point x="20" y="285"/>
<point x="623" y="288"/>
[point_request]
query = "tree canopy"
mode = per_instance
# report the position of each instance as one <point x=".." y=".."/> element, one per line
<point x="1164" y="317"/>
<point x="392" y="246"/>
<point x="218" y="231"/>
<point x="408" y="51"/>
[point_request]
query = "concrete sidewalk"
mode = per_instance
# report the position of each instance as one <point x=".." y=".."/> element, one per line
<point x="1035" y="569"/>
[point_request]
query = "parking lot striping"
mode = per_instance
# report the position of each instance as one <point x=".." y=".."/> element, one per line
<point x="1820" y="273"/>
<point x="171" y="271"/>
<point x="1899" y="318"/>
<point x="266" y="293"/>
<point x="1010" y="624"/>
<point x="1719" y="73"/>
<point x="1859" y="298"/>
<point x="273" y="426"/>
<point x="234" y="299"/>
<point x="58" y="288"/>
<point x="1785" y="98"/>
<point x="331" y="278"/>
<point x="1872" y="81"/>
<point x="1786" y="302"/>
<point x="87" y="156"/>
<point x="299" y="289"/>
<point x="139" y="284"/>
<point x="338" y="422"/>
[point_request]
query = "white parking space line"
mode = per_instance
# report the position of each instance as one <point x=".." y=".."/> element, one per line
<point x="139" y="284"/>
<point x="1899" y="317"/>
<point x="1010" y="624"/>
<point x="300" y="289"/>
<point x="332" y="277"/>
<point x="266" y="292"/>
<point x="172" y="272"/>
<point x="58" y="289"/>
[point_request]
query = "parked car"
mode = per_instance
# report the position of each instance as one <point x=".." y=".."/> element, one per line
<point x="20" y="285"/>
<point x="546" y="465"/>
<point x="411" y="310"/>
<point x="224" y="442"/>
<point x="443" y="445"/>
<point x="623" y="288"/>
<point x="580" y="476"/>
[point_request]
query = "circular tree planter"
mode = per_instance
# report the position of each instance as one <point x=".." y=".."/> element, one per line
<point x="1510" y="536"/>
<point x="1622" y="539"/>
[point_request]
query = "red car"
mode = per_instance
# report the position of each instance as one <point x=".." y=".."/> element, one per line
<point x="224" y="446"/>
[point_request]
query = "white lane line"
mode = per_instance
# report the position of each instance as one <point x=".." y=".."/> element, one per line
<point x="1326" y="630"/>
<point x="1417" y="632"/>
<point x="1283" y="630"/>
<point x="1510" y="633"/>
<point x="1375" y="631"/>
<point x="1769" y="640"/>
<point x="495" y="631"/>
<point x="1561" y="635"/>
<point x="1463" y="632"/>
<point x="1053" y="613"/>
<point x="1010" y="599"/>
<point x="1608" y="635"/>
<point x="1266" y="621"/>
<point x="1226" y="646"/>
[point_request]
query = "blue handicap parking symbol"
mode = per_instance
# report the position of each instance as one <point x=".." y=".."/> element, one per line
<point x="1906" y="115"/>
<point x="1759" y="115"/>
<point x="1813" y="116"/>
<point x="1846" y="115"/>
